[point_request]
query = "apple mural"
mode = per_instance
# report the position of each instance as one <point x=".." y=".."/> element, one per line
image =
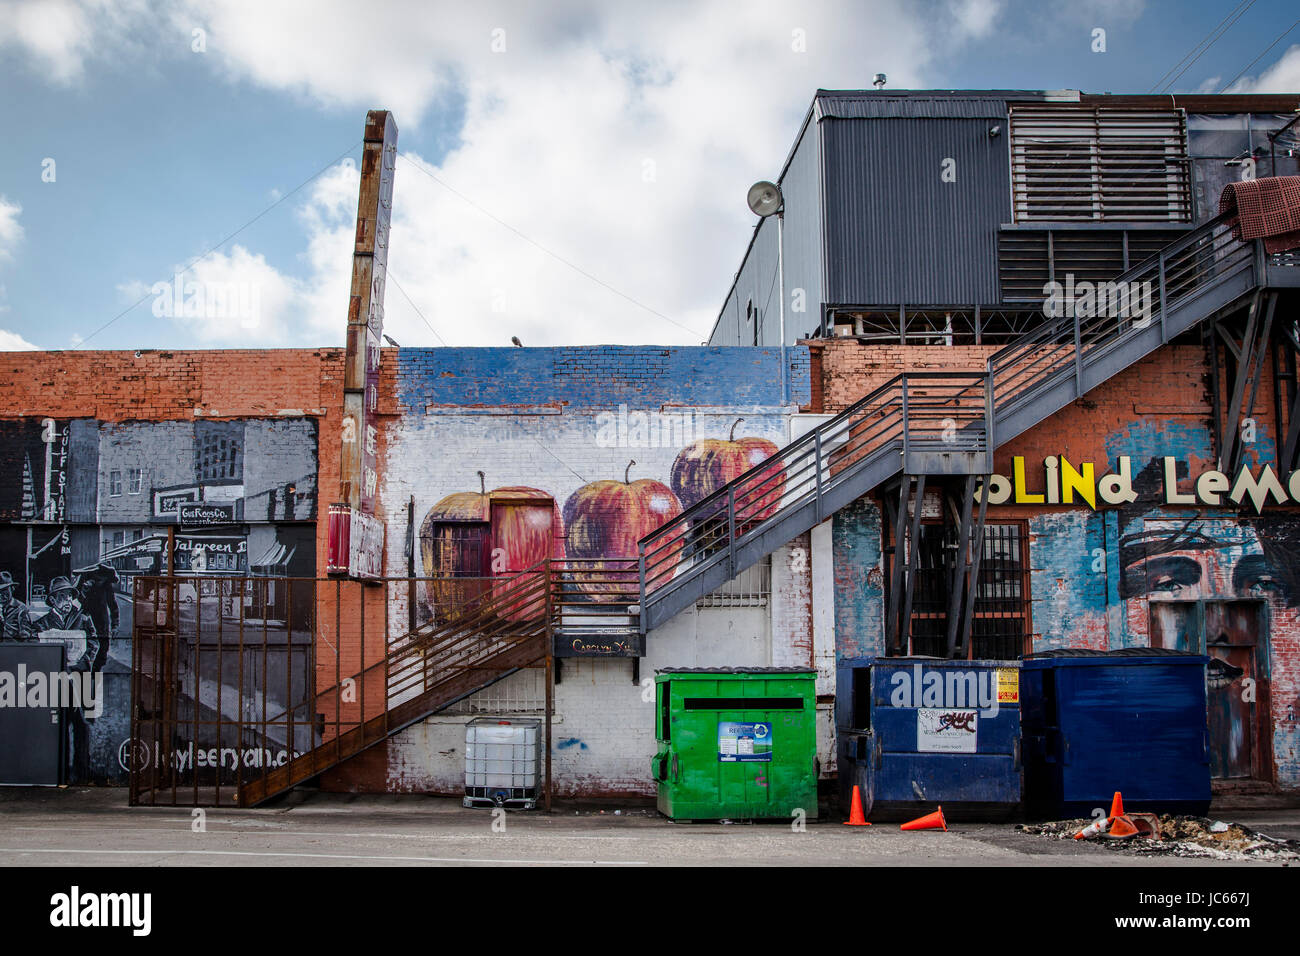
<point x="477" y="535"/>
<point x="454" y="543"/>
<point x="706" y="465"/>
<point x="605" y="520"/>
<point x="526" y="530"/>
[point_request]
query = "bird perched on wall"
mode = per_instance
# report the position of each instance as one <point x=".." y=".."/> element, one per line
<point x="514" y="340"/>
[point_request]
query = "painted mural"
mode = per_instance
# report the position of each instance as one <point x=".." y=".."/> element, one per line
<point x="1220" y="580"/>
<point x="505" y="457"/>
<point x="86" y="507"/>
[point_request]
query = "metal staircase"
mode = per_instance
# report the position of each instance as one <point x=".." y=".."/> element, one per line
<point x="509" y="626"/>
<point x="948" y="424"/>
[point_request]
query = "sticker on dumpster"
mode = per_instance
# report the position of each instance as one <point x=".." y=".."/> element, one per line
<point x="744" y="743"/>
<point x="946" y="731"/>
<point x="1008" y="685"/>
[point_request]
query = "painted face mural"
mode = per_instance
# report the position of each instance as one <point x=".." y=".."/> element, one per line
<point x="1220" y="587"/>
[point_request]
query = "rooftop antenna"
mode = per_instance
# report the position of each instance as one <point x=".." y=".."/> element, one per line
<point x="879" y="81"/>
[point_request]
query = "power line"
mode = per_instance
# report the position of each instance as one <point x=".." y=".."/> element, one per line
<point x="389" y="277"/>
<point x="204" y="255"/>
<point x="1213" y="38"/>
<point x="554" y="255"/>
<point x="1197" y="47"/>
<point x="1261" y="56"/>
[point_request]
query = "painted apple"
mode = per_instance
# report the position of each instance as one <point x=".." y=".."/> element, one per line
<point x="706" y="465"/>
<point x="477" y="535"/>
<point x="526" y="530"/>
<point x="454" y="543"/>
<point x="605" y="520"/>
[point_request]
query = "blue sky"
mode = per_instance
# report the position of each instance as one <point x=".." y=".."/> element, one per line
<point x="616" y="138"/>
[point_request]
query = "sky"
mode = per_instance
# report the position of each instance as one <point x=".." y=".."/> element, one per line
<point x="184" y="175"/>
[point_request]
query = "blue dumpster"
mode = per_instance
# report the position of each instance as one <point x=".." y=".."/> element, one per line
<point x="913" y="732"/>
<point x="1132" y="720"/>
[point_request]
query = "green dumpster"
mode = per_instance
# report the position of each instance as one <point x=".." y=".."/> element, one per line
<point x="736" y="743"/>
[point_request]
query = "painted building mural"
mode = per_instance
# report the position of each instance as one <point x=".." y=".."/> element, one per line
<point x="86" y="507"/>
<point x="1168" y="569"/>
<point x="512" y="456"/>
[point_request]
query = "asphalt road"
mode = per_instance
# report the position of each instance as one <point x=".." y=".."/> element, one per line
<point x="89" y="827"/>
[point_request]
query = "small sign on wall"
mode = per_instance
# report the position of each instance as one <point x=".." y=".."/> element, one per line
<point x="356" y="543"/>
<point x="206" y="515"/>
<point x="744" y="742"/>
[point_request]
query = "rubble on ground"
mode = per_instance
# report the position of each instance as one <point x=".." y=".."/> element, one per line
<point x="1185" y="836"/>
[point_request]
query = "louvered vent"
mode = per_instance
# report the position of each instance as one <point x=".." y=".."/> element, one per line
<point x="1099" y="165"/>
<point x="1029" y="258"/>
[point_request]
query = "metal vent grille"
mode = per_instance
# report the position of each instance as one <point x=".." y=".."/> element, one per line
<point x="749" y="588"/>
<point x="1099" y="165"/>
<point x="1029" y="258"/>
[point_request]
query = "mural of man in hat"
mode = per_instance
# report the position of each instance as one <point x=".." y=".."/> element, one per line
<point x="65" y="614"/>
<point x="97" y="588"/>
<point x="15" y="618"/>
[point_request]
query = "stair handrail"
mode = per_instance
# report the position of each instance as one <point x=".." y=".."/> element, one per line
<point x="1163" y="266"/>
<point x="1153" y="267"/>
<point x="708" y="506"/>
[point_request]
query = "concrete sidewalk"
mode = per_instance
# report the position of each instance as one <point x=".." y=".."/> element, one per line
<point x="94" y="827"/>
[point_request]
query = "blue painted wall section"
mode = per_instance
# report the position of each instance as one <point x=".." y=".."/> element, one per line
<point x="599" y="376"/>
<point x="859" y="581"/>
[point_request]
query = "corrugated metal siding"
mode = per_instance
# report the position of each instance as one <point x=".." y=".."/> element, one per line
<point x="868" y="105"/>
<point x="802" y="188"/>
<point x="895" y="232"/>
<point x="756" y="284"/>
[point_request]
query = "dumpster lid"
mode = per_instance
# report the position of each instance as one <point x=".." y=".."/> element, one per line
<point x="735" y="670"/>
<point x="1118" y="652"/>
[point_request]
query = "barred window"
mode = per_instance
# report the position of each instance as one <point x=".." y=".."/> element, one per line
<point x="523" y="692"/>
<point x="1000" y="620"/>
<point x="749" y="588"/>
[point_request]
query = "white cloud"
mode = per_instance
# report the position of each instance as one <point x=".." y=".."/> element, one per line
<point x="55" y="35"/>
<point x="235" y="298"/>
<point x="13" y="342"/>
<point x="59" y="37"/>
<point x="976" y="17"/>
<point x="620" y="137"/>
<point x="1282" y="77"/>
<point x="11" y="231"/>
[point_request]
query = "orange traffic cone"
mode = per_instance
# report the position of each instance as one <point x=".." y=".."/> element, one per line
<point x="931" y="821"/>
<point x="1092" y="829"/>
<point x="856" y="817"/>
<point x="1116" y="806"/>
<point x="1121" y="828"/>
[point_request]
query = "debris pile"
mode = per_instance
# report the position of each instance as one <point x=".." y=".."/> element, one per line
<point x="1184" y="836"/>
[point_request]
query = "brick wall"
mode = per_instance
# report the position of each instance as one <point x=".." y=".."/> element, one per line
<point x="123" y="432"/>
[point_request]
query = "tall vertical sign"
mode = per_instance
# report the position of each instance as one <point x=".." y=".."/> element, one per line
<point x="359" y="474"/>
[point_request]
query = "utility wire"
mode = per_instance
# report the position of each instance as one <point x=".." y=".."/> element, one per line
<point x="1191" y="51"/>
<point x="389" y="277"/>
<point x="554" y="255"/>
<point x="1214" y="38"/>
<point x="316" y="175"/>
<point x="1261" y="56"/>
